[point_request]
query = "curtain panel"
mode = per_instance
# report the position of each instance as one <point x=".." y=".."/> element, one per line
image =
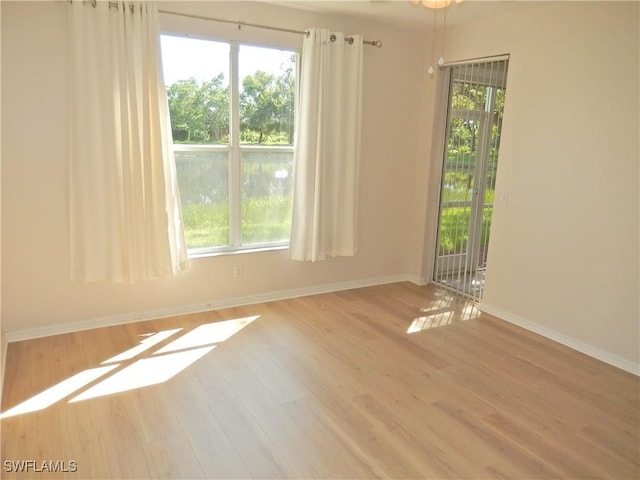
<point x="327" y="147"/>
<point x="125" y="220"/>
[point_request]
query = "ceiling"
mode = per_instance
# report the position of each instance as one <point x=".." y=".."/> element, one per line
<point x="405" y="14"/>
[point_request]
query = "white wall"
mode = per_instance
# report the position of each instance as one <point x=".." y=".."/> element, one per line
<point x="564" y="251"/>
<point x="563" y="257"/>
<point x="3" y="344"/>
<point x="37" y="295"/>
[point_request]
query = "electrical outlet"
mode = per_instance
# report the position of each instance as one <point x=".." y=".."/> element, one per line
<point x="237" y="271"/>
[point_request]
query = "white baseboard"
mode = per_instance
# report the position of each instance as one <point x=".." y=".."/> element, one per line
<point x="39" y="332"/>
<point x="49" y="330"/>
<point x="417" y="280"/>
<point x="603" y="355"/>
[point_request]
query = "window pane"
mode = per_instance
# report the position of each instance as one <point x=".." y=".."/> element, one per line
<point x="203" y="179"/>
<point x="196" y="73"/>
<point x="267" y="90"/>
<point x="266" y="196"/>
<point x="454" y="230"/>
<point x="199" y="91"/>
<point x="469" y="96"/>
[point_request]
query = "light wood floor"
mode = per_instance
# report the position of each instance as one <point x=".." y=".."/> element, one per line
<point x="328" y="386"/>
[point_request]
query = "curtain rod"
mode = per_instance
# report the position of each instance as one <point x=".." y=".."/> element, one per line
<point x="240" y="24"/>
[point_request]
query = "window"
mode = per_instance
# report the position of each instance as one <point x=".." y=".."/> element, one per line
<point x="232" y="108"/>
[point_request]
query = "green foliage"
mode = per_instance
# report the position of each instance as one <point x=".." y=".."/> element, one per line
<point x="463" y="132"/>
<point x="206" y="224"/>
<point x="266" y="219"/>
<point x="460" y="164"/>
<point x="200" y="112"/>
<point x="265" y="198"/>
<point x="266" y="108"/>
<point x="454" y="230"/>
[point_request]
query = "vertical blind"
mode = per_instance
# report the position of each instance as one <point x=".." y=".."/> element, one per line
<point x="470" y="160"/>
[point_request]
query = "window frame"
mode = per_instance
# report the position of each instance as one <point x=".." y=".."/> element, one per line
<point x="234" y="148"/>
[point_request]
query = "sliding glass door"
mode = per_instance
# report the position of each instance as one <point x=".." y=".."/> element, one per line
<point x="470" y="160"/>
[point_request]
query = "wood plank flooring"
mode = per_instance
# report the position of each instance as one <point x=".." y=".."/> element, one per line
<point x="326" y="386"/>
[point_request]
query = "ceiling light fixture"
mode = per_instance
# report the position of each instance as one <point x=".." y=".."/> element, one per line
<point x="435" y="4"/>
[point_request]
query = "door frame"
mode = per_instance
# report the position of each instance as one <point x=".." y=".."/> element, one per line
<point x="468" y="259"/>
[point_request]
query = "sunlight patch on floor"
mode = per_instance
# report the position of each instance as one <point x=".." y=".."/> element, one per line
<point x="56" y="393"/>
<point x="144" y="345"/>
<point x="144" y="373"/>
<point x="208" y="334"/>
<point x="137" y="367"/>
<point x="444" y="312"/>
<point x="470" y="311"/>
<point x="430" y="321"/>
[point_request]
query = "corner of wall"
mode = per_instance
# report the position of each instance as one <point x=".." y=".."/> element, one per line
<point x="3" y="340"/>
<point x="3" y="362"/>
<point x="571" y="342"/>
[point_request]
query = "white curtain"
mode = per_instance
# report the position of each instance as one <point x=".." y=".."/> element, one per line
<point x="125" y="220"/>
<point x="327" y="147"/>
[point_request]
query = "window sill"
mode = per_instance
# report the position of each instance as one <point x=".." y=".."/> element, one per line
<point x="237" y="251"/>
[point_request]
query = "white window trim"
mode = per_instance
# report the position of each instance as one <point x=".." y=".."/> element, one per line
<point x="235" y="221"/>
